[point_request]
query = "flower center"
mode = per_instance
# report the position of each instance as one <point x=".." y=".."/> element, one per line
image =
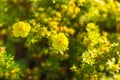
<point x="20" y="28"/>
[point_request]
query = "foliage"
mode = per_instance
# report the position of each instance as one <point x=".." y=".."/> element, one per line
<point x="60" y="39"/>
<point x="8" y="68"/>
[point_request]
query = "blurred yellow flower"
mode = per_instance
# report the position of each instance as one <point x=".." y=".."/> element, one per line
<point x="91" y="26"/>
<point x="60" y="42"/>
<point x="21" y="29"/>
<point x="73" y="68"/>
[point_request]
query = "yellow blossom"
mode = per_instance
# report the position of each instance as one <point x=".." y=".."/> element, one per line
<point x="91" y="26"/>
<point x="60" y="42"/>
<point x="71" y="31"/>
<point x="73" y="68"/>
<point x="21" y="29"/>
<point x="53" y="25"/>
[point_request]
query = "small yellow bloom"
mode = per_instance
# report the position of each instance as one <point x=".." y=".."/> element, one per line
<point x="73" y="68"/>
<point x="71" y="31"/>
<point x="91" y="26"/>
<point x="21" y="29"/>
<point x="60" y="42"/>
<point x="53" y="25"/>
<point x="2" y="49"/>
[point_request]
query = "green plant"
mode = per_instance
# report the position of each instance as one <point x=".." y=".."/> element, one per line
<point x="61" y="39"/>
<point x="8" y="68"/>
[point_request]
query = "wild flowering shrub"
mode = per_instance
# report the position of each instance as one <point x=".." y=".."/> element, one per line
<point x="60" y="39"/>
<point x="8" y="68"/>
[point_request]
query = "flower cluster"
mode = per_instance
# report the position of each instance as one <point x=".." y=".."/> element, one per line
<point x="8" y="68"/>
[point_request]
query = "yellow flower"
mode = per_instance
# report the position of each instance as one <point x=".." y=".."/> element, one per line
<point x="60" y="42"/>
<point x="91" y="26"/>
<point x="2" y="49"/>
<point x="73" y="68"/>
<point x="21" y="29"/>
<point x="53" y="25"/>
